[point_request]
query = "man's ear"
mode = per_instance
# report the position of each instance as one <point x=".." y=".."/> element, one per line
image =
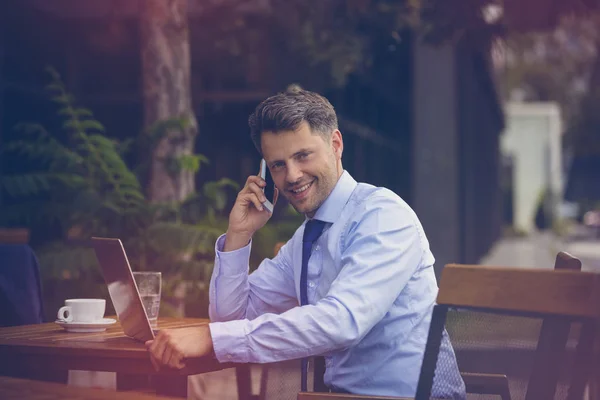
<point x="337" y="144"/>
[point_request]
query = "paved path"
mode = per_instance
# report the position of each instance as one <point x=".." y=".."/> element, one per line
<point x="539" y="251"/>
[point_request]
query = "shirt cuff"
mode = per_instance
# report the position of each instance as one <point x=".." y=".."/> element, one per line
<point x="232" y="262"/>
<point x="230" y="340"/>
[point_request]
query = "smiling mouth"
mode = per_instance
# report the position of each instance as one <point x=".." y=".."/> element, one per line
<point x="301" y="190"/>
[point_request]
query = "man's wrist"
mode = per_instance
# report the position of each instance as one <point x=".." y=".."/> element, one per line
<point x="235" y="241"/>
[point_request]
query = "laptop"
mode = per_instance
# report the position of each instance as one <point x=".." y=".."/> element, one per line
<point x="122" y="288"/>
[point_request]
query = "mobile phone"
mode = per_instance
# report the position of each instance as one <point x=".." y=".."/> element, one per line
<point x="269" y="189"/>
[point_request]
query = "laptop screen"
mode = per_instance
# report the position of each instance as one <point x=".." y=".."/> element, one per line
<point x="122" y="288"/>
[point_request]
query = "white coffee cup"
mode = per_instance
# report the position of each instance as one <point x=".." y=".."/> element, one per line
<point x="82" y="310"/>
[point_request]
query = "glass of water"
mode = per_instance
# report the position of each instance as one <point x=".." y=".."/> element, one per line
<point x="149" y="286"/>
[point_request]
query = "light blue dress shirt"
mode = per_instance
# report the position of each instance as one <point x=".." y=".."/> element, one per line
<point x="371" y="291"/>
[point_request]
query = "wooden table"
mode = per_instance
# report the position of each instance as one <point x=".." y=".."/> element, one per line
<point x="21" y="389"/>
<point x="47" y="352"/>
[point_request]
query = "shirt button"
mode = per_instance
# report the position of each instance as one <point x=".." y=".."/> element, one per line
<point x="317" y="248"/>
<point x="328" y="363"/>
<point x="229" y="356"/>
<point x="311" y="284"/>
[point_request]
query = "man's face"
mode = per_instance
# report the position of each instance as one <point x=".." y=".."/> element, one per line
<point x="305" y="166"/>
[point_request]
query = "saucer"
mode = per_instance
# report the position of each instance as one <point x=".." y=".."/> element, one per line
<point x="86" y="327"/>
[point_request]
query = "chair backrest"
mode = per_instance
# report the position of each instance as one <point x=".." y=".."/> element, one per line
<point x="14" y="235"/>
<point x="552" y="344"/>
<point x="474" y="301"/>
<point x="566" y="261"/>
<point x="20" y="286"/>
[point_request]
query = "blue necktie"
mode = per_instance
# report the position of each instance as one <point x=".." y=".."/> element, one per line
<point x="312" y="231"/>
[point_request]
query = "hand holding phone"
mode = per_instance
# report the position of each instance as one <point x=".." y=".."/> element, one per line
<point x="252" y="209"/>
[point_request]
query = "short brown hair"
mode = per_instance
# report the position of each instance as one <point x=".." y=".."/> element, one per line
<point x="285" y="111"/>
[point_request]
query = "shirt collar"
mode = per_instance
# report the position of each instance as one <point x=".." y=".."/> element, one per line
<point x="333" y="205"/>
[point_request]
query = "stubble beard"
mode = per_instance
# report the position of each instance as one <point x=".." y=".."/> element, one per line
<point x="322" y="186"/>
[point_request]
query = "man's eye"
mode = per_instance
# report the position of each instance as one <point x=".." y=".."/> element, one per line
<point x="302" y="155"/>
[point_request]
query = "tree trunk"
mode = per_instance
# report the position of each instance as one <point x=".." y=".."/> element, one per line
<point x="165" y="48"/>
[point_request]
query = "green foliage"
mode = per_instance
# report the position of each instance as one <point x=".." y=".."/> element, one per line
<point x="320" y="44"/>
<point x="562" y="66"/>
<point x="176" y="130"/>
<point x="551" y="66"/>
<point x="448" y="21"/>
<point x="341" y="37"/>
<point x="160" y="129"/>
<point x="216" y="192"/>
<point x="77" y="180"/>
<point x="86" y="167"/>
<point x="191" y="162"/>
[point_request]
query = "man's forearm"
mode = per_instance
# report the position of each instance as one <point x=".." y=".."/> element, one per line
<point x="273" y="338"/>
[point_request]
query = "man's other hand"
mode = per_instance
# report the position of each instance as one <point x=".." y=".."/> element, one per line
<point x="172" y="346"/>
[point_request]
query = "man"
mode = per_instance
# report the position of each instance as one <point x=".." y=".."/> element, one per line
<point x="367" y="286"/>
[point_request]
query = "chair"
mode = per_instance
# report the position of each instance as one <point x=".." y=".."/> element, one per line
<point x="21" y="292"/>
<point x="552" y="334"/>
<point x="478" y="300"/>
<point x="503" y="310"/>
<point x="20" y="286"/>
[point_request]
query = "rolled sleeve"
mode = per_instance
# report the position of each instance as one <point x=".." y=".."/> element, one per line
<point x="231" y="262"/>
<point x="235" y="295"/>
<point x="228" y="291"/>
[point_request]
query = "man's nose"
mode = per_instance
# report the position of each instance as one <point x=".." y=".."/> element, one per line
<point x="294" y="174"/>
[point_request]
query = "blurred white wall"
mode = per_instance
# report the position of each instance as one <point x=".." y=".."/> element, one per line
<point x="532" y="139"/>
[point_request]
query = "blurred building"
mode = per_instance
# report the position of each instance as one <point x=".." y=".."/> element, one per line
<point x="456" y="159"/>
<point x="532" y="142"/>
